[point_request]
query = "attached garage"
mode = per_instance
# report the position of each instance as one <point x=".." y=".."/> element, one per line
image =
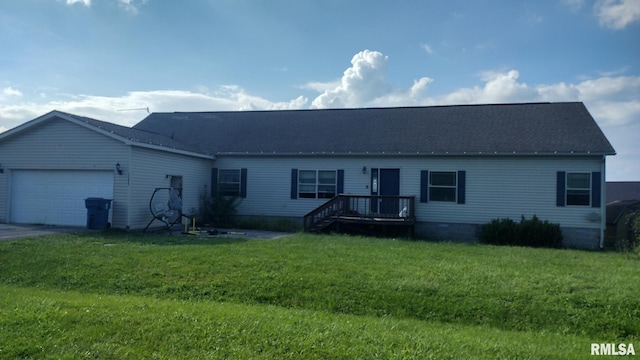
<point x="50" y="165"/>
<point x="56" y="197"/>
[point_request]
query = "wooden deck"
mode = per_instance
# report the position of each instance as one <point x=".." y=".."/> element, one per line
<point x="362" y="210"/>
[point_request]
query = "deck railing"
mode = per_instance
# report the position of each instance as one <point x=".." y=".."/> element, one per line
<point x="360" y="206"/>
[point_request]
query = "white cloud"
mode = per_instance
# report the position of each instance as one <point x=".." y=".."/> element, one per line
<point x="9" y="92"/>
<point x="321" y="86"/>
<point x="229" y="98"/>
<point x="613" y="101"/>
<point x="132" y="6"/>
<point x="419" y="86"/>
<point x="84" y="2"/>
<point x="427" y="48"/>
<point x="617" y="14"/>
<point x="607" y="87"/>
<point x="499" y="87"/>
<point x="364" y="81"/>
<point x="404" y="97"/>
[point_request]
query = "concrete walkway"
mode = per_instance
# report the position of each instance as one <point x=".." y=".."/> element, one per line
<point x="13" y="231"/>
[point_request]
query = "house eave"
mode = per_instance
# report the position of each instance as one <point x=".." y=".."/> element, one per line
<point x="416" y="154"/>
<point x="168" y="149"/>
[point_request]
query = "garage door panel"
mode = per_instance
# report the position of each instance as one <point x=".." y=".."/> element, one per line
<point x="56" y="197"/>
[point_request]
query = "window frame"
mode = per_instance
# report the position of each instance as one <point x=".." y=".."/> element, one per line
<point x="319" y="187"/>
<point x="585" y="192"/>
<point x="436" y="187"/>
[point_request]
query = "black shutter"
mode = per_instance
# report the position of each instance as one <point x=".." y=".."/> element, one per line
<point x="560" y="188"/>
<point x="243" y="183"/>
<point x="214" y="182"/>
<point x="462" y="187"/>
<point x="424" y="186"/>
<point x="294" y="183"/>
<point x="340" y="184"/>
<point x="596" y="189"/>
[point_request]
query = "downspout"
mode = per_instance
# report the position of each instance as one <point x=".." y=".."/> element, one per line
<point x="128" y="197"/>
<point x="603" y="199"/>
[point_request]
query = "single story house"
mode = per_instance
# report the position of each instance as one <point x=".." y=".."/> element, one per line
<point x="463" y="165"/>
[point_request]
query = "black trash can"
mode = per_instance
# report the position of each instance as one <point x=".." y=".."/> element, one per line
<point x="97" y="213"/>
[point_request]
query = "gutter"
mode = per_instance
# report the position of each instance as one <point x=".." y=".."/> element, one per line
<point x="410" y="154"/>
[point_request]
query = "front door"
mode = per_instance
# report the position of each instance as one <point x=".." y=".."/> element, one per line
<point x="385" y="182"/>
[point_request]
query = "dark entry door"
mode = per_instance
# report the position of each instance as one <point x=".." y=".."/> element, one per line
<point x="385" y="182"/>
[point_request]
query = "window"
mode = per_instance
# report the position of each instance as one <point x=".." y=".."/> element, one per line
<point x="443" y="186"/>
<point x="578" y="189"/>
<point x="229" y="182"/>
<point x="319" y="184"/>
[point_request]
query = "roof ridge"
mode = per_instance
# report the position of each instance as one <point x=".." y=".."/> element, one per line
<point x="369" y="108"/>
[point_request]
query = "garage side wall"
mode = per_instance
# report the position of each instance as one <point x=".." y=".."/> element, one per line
<point x="60" y="145"/>
<point x="152" y="169"/>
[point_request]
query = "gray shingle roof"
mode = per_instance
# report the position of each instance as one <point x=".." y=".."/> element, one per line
<point x="464" y="129"/>
<point x="137" y="135"/>
<point x="623" y="190"/>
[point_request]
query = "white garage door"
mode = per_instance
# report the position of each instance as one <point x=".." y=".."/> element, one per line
<point x="56" y="197"/>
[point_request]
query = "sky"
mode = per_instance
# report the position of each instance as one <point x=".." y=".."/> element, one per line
<point x="114" y="59"/>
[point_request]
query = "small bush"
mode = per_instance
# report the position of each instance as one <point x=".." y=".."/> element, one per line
<point x="500" y="232"/>
<point x="631" y="243"/>
<point x="532" y="232"/>
<point x="219" y="211"/>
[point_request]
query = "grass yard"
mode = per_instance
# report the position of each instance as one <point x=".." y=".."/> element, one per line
<point x="127" y="295"/>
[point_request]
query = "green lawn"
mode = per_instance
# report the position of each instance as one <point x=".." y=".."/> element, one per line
<point x="126" y="295"/>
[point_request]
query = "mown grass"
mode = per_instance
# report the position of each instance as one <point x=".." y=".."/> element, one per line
<point x="123" y="295"/>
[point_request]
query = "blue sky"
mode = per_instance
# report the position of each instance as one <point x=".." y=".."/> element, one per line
<point x="99" y="58"/>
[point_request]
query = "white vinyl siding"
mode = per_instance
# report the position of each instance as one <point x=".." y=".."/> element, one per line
<point x="152" y="169"/>
<point x="494" y="186"/>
